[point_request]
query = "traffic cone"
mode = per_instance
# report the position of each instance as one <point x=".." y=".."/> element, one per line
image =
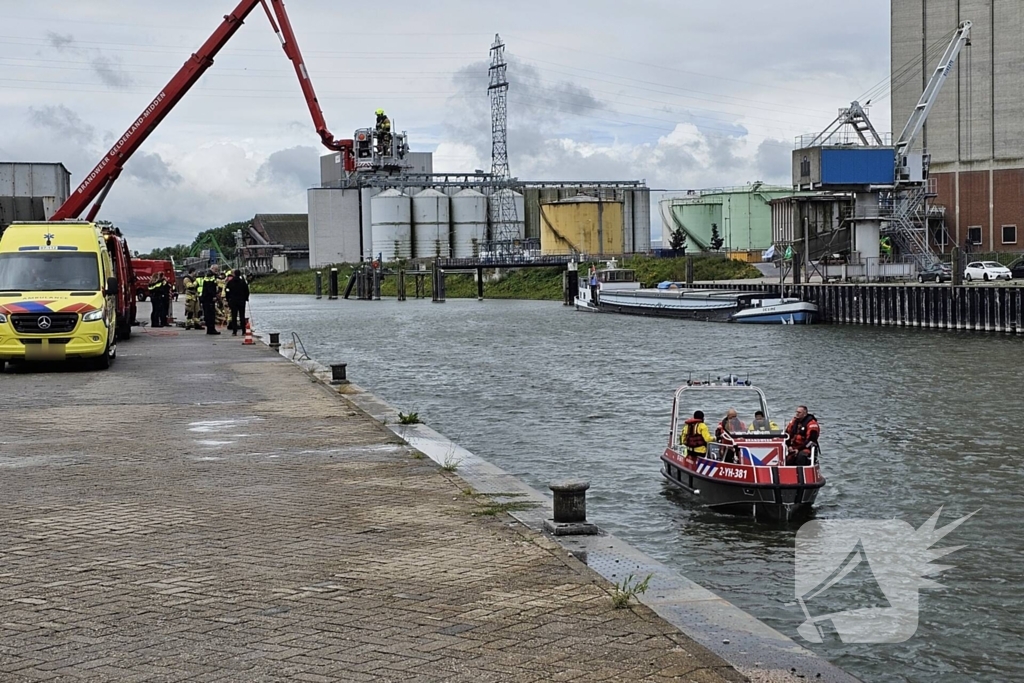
<point x="248" y="341"/>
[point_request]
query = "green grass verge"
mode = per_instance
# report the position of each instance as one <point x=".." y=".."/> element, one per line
<point x="527" y="283"/>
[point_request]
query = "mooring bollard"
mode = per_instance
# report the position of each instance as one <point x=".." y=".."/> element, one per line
<point x="570" y="509"/>
<point x="318" y="285"/>
<point x="338" y="373"/>
<point x="275" y="340"/>
<point x="332" y="290"/>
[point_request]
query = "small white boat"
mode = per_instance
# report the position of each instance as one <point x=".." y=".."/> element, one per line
<point x="617" y="291"/>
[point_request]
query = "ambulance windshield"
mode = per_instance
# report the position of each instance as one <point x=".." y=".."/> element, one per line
<point x="49" y="271"/>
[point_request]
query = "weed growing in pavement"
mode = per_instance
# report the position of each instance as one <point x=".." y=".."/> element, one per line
<point x="630" y="587"/>
<point x="417" y="455"/>
<point x="451" y="463"/>
<point x="410" y="419"/>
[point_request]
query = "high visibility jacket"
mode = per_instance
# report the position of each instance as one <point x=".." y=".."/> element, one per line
<point x="208" y="288"/>
<point x="754" y="427"/>
<point x="695" y="437"/>
<point x="161" y="288"/>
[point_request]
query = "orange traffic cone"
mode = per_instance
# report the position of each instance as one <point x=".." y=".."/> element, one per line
<point x="248" y="341"/>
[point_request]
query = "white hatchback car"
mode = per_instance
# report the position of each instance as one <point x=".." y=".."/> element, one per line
<point x="986" y="270"/>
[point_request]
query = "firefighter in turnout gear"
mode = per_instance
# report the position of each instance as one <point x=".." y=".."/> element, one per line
<point x="160" y="298"/>
<point x="208" y="299"/>
<point x="383" y="134"/>
<point x="695" y="436"/>
<point x="193" y="313"/>
<point x="221" y="283"/>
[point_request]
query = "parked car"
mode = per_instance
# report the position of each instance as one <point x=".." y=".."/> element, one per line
<point x="986" y="270"/>
<point x="1017" y="268"/>
<point x="936" y="272"/>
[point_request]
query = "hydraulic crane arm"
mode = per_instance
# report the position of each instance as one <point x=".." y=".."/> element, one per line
<point x="917" y="120"/>
<point x="97" y="184"/>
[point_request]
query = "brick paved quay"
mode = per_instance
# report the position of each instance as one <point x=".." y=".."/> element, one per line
<point x="203" y="511"/>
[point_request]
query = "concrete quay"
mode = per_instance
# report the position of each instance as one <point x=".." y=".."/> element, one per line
<point x="206" y="511"/>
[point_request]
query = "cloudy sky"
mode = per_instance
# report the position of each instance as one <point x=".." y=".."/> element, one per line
<point x="684" y="94"/>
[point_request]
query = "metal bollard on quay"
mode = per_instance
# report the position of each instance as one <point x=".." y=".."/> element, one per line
<point x="275" y="340"/>
<point x="339" y="373"/>
<point x="570" y="510"/>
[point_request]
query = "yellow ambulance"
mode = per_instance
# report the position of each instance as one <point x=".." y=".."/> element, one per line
<point x="57" y="294"/>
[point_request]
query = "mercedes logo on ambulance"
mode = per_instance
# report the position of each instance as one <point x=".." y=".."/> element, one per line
<point x="44" y="322"/>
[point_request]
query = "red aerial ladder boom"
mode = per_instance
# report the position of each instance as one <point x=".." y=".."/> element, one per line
<point x="97" y="184"/>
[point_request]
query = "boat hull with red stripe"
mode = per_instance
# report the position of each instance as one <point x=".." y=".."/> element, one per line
<point x="770" y="491"/>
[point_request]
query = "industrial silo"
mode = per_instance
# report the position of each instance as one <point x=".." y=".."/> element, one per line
<point x="517" y="225"/>
<point x="469" y="223"/>
<point x="392" y="225"/>
<point x="431" y="224"/>
<point x="582" y="225"/>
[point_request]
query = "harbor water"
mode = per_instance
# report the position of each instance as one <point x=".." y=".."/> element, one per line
<point x="912" y="420"/>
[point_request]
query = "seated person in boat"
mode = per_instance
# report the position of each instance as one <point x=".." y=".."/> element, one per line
<point x="761" y="424"/>
<point x="695" y="435"/>
<point x="803" y="433"/>
<point x="729" y="426"/>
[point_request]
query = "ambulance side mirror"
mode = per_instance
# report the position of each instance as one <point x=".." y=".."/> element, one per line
<point x="111" y="286"/>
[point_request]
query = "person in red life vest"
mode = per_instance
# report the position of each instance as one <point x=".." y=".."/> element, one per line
<point x="731" y="424"/>
<point x="695" y="436"/>
<point x="803" y="432"/>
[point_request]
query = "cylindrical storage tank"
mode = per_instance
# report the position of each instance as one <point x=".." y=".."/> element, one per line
<point x="516" y="230"/>
<point x="391" y="212"/>
<point x="469" y="223"/>
<point x="583" y="225"/>
<point x="431" y="224"/>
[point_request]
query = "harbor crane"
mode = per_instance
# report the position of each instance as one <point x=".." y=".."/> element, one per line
<point x="915" y="124"/>
<point x="890" y="197"/>
<point x="97" y="184"/>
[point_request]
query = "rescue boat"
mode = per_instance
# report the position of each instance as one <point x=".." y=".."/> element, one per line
<point x="742" y="472"/>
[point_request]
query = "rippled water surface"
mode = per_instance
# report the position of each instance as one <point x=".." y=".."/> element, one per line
<point x="911" y="420"/>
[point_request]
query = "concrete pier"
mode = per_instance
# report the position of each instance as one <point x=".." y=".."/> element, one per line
<point x="204" y="511"/>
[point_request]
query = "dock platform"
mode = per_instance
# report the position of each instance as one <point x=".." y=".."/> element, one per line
<point x="203" y="511"/>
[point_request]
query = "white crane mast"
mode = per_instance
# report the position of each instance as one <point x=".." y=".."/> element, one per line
<point x="924" y="106"/>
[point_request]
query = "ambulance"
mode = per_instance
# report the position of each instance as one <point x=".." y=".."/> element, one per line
<point x="58" y="294"/>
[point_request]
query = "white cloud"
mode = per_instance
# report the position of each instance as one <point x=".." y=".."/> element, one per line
<point x="699" y="97"/>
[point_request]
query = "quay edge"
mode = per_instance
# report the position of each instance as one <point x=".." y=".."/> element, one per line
<point x="753" y="648"/>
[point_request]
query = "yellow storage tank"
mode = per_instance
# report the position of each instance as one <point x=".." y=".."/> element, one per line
<point x="581" y="224"/>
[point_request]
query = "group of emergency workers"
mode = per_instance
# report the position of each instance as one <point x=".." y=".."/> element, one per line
<point x="803" y="432"/>
<point x="211" y="296"/>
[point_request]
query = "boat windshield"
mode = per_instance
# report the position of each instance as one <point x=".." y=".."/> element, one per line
<point x="48" y="271"/>
<point x="616" y="275"/>
<point x="717" y="402"/>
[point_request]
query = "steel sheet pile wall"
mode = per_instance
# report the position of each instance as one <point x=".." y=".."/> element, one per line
<point x="980" y="309"/>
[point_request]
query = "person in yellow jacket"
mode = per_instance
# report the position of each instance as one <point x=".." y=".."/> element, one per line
<point x="761" y="424"/>
<point x="695" y="436"/>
